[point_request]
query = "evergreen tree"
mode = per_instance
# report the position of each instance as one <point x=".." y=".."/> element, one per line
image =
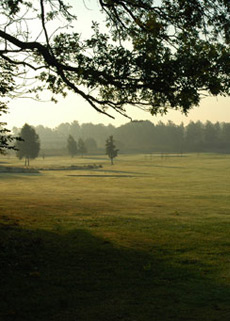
<point x="71" y="146"/>
<point x="110" y="149"/>
<point x="29" y="147"/>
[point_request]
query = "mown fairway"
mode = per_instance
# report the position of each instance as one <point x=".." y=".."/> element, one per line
<point x="143" y="240"/>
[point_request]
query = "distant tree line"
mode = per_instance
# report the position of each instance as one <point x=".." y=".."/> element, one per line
<point x="138" y="137"/>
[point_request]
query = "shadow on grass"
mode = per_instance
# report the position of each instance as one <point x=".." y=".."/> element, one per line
<point x="77" y="276"/>
<point x="129" y="176"/>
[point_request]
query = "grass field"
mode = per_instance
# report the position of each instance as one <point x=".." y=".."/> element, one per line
<point x="147" y="239"/>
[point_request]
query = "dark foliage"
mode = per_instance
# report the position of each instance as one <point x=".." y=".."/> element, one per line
<point x="110" y="149"/>
<point x="29" y="147"/>
<point x="7" y="141"/>
<point x="177" y="51"/>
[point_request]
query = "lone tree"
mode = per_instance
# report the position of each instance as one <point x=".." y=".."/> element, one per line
<point x="178" y="52"/>
<point x="72" y="146"/>
<point x="110" y="149"/>
<point x="81" y="147"/>
<point x="30" y="146"/>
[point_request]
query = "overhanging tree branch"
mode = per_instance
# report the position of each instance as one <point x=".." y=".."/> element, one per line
<point x="170" y="59"/>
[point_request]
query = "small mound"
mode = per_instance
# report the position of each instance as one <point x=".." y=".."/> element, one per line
<point x="71" y="168"/>
<point x="17" y="170"/>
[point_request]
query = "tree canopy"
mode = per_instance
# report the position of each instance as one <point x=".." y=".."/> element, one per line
<point x="155" y="54"/>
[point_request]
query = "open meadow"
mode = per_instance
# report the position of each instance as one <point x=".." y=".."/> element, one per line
<point x="144" y="240"/>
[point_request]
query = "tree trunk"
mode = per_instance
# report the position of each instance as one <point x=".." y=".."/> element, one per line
<point x="27" y="162"/>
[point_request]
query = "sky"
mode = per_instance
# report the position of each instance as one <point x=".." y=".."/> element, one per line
<point x="72" y="108"/>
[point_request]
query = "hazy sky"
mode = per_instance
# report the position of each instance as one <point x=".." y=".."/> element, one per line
<point x="72" y="108"/>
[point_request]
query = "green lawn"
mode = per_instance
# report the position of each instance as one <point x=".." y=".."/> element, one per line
<point x="144" y="240"/>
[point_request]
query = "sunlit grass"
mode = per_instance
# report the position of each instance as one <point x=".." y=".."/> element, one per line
<point x="149" y="243"/>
